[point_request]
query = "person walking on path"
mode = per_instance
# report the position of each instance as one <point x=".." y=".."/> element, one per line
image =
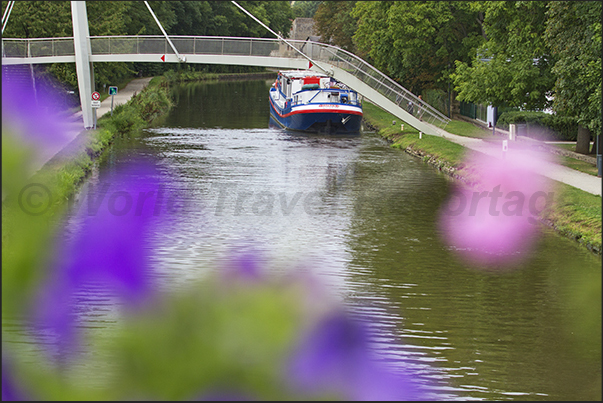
<point x="410" y="107"/>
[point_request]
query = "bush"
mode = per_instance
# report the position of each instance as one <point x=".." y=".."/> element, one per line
<point x="124" y="121"/>
<point x="555" y="127"/>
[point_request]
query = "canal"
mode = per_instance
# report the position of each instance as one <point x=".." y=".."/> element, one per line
<point x="362" y="216"/>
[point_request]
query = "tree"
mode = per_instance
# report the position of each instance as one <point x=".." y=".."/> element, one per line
<point x="335" y="24"/>
<point x="39" y="19"/>
<point x="43" y="19"/>
<point x="304" y="9"/>
<point x="415" y="42"/>
<point x="573" y="32"/>
<point x="513" y="66"/>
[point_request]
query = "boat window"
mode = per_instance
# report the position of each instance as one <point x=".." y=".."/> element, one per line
<point x="352" y="97"/>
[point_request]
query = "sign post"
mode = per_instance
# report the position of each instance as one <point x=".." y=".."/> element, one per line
<point x="95" y="104"/>
<point x="112" y="92"/>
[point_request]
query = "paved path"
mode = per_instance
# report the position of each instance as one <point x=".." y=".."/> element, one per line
<point x="76" y="121"/>
<point x="580" y="180"/>
<point x="586" y="182"/>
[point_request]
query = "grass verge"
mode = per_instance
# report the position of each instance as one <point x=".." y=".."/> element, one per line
<point x="27" y="235"/>
<point x="574" y="213"/>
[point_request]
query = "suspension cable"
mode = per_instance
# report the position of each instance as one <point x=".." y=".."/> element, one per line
<point x="281" y="38"/>
<point x="9" y="8"/>
<point x="180" y="57"/>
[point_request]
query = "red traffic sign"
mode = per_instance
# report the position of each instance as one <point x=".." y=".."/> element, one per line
<point x="95" y="96"/>
<point x="163" y="58"/>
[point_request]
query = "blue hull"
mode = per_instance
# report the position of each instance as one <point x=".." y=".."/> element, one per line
<point x="316" y="122"/>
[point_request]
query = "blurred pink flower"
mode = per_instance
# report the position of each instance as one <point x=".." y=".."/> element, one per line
<point x="495" y="223"/>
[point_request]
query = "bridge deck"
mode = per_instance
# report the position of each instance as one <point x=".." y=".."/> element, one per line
<point x="343" y="65"/>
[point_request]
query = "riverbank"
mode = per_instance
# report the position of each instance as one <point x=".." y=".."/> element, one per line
<point x="53" y="177"/>
<point x="574" y="213"/>
<point x="139" y="104"/>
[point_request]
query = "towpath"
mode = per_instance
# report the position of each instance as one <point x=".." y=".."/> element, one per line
<point x="580" y="180"/>
<point x="76" y="121"/>
<point x="572" y="177"/>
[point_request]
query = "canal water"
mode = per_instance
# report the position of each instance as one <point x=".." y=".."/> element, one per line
<point x="362" y="216"/>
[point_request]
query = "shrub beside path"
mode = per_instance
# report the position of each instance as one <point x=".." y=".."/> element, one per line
<point x="76" y="121"/>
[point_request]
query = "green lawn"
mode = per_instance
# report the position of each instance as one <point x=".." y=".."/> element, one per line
<point x="462" y="128"/>
<point x="575" y="213"/>
<point x="578" y="165"/>
<point x="450" y="151"/>
<point x="569" y="147"/>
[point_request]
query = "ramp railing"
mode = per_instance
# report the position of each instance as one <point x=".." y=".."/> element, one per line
<point x="232" y="46"/>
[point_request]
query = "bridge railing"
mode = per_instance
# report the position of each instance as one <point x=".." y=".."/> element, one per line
<point x="40" y="47"/>
<point x="186" y="45"/>
<point x="232" y="46"/>
<point x="372" y="77"/>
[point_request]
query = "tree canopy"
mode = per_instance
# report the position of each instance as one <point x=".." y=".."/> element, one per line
<point x="44" y="19"/>
<point x="513" y="66"/>
<point x="335" y="24"/>
<point x="416" y="42"/>
<point x="304" y="9"/>
<point x="528" y="54"/>
<point x="573" y="34"/>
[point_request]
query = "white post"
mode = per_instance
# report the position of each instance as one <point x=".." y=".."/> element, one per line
<point x="83" y="66"/>
<point x="512" y="132"/>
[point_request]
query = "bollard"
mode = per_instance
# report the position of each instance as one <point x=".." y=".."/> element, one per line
<point x="420" y="135"/>
<point x="401" y="127"/>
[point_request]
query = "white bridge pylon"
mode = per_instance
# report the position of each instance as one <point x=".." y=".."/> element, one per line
<point x="346" y="67"/>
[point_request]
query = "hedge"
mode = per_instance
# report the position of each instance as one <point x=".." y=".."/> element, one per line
<point x="554" y="126"/>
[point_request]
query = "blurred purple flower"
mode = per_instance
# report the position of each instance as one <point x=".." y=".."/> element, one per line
<point x="244" y="265"/>
<point x="32" y="114"/>
<point x="495" y="225"/>
<point x="335" y="357"/>
<point x="110" y="250"/>
<point x="11" y="391"/>
<point x="223" y="396"/>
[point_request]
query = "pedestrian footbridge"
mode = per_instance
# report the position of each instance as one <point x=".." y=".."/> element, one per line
<point x="272" y="53"/>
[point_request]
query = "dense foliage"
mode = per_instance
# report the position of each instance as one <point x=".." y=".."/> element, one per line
<point x="573" y="33"/>
<point x="43" y="19"/>
<point x="530" y="55"/>
<point x="335" y="23"/>
<point x="513" y="65"/>
<point x="554" y="126"/>
<point x="305" y="9"/>
<point x="416" y="42"/>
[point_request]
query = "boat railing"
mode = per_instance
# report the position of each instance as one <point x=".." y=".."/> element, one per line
<point x="374" y="78"/>
<point x="228" y="46"/>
